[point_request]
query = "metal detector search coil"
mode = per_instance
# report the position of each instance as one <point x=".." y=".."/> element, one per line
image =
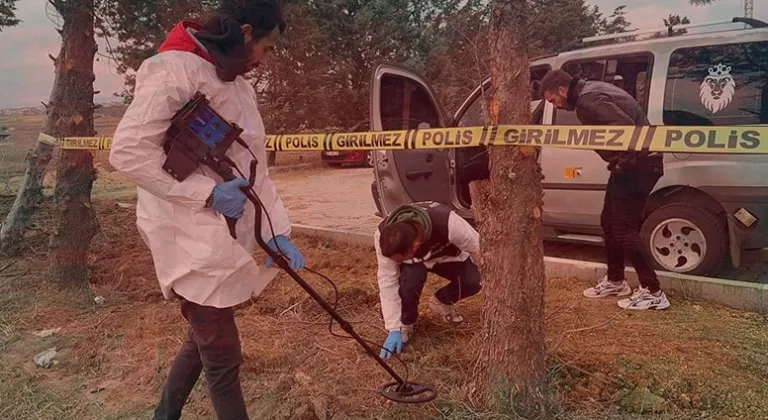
<point x="198" y="135"/>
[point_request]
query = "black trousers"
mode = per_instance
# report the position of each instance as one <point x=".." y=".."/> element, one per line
<point x="464" y="280"/>
<point x="213" y="345"/>
<point x="621" y="219"/>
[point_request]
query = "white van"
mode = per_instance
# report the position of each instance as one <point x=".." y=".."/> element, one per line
<point x="704" y="209"/>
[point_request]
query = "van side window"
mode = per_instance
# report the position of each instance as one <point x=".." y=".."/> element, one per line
<point x="405" y="104"/>
<point x="718" y="85"/>
<point x="631" y="73"/>
<point x="474" y="115"/>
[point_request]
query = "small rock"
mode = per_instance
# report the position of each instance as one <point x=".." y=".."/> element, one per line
<point x="126" y="205"/>
<point x="601" y="378"/>
<point x="45" y="359"/>
<point x="696" y="401"/>
<point x="303" y="379"/>
<point x="320" y="405"/>
<point x="696" y="307"/>
<point x="304" y="413"/>
<point x="283" y="413"/>
<point x="47" y="333"/>
<point x="99" y="300"/>
<point x="643" y="401"/>
<point x="284" y="384"/>
<point x="685" y="401"/>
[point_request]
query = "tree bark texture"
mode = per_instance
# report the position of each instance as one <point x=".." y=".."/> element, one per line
<point x="509" y="375"/>
<point x="28" y="198"/>
<point x="75" y="222"/>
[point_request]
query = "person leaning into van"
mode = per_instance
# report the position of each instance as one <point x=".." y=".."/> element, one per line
<point x="633" y="177"/>
<point x="413" y="240"/>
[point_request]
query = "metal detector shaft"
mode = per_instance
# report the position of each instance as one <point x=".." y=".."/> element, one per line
<point x="283" y="263"/>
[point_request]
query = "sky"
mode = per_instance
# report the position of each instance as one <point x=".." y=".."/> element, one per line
<point x="27" y="72"/>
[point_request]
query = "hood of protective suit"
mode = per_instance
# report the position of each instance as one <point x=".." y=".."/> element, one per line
<point x="413" y="214"/>
<point x="193" y="253"/>
<point x="220" y="41"/>
<point x="181" y="39"/>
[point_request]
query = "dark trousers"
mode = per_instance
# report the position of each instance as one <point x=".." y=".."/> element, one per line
<point x="621" y="220"/>
<point x="464" y="280"/>
<point x="213" y="345"/>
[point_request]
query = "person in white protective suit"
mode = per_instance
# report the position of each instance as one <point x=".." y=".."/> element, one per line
<point x="412" y="241"/>
<point x="196" y="260"/>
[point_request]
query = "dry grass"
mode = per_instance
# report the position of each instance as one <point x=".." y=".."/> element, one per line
<point x="114" y="357"/>
<point x="14" y="150"/>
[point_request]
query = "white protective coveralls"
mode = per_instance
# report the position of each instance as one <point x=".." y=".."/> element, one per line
<point x="460" y="233"/>
<point x="193" y="252"/>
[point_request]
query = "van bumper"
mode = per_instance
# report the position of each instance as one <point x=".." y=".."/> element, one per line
<point x="744" y="204"/>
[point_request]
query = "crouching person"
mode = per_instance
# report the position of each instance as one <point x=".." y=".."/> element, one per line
<point x="411" y="242"/>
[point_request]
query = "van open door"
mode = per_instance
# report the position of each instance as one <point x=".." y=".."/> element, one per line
<point x="402" y="100"/>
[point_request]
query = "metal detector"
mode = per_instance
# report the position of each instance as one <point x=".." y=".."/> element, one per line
<point x="199" y="135"/>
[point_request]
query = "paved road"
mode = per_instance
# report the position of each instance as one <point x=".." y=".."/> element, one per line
<point x="329" y="197"/>
<point x="340" y="198"/>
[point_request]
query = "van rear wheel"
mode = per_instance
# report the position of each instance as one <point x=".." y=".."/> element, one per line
<point x="368" y="160"/>
<point x="685" y="238"/>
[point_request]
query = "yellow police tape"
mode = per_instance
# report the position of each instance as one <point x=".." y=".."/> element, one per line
<point x="688" y="139"/>
<point x="85" y="143"/>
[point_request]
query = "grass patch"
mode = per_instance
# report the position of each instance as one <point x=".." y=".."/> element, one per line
<point x="691" y="361"/>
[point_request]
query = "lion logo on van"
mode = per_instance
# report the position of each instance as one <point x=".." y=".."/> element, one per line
<point x="717" y="89"/>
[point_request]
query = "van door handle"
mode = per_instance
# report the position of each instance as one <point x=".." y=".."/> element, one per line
<point x="414" y="175"/>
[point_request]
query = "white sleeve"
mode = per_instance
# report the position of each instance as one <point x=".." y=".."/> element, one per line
<point x="389" y="288"/>
<point x="162" y="87"/>
<point x="464" y="236"/>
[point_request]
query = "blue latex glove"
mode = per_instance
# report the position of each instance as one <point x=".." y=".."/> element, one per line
<point x="393" y="343"/>
<point x="228" y="199"/>
<point x="289" y="250"/>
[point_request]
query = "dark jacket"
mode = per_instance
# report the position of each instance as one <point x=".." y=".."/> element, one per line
<point x="600" y="103"/>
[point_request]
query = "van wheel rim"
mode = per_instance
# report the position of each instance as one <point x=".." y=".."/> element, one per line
<point x="678" y="245"/>
<point x="369" y="158"/>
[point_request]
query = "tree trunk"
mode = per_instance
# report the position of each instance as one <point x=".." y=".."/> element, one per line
<point x="74" y="219"/>
<point x="28" y="198"/>
<point x="30" y="194"/>
<point x="509" y="376"/>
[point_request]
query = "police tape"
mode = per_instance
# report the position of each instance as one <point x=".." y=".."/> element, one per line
<point x="84" y="143"/>
<point x="688" y="139"/>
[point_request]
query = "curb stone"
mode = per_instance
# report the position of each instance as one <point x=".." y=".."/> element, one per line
<point x="734" y="294"/>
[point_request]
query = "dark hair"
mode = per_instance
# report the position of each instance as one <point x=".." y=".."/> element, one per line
<point x="397" y="238"/>
<point x="263" y="15"/>
<point x="555" y="79"/>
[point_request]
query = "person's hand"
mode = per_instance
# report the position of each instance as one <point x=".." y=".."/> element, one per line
<point x="392" y="345"/>
<point x="228" y="199"/>
<point x="289" y="251"/>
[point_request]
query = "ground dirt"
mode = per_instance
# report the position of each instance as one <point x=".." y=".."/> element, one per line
<point x="694" y="360"/>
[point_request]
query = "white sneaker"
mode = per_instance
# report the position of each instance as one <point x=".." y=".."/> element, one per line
<point x="643" y="300"/>
<point x="406" y="331"/>
<point x="608" y="288"/>
<point x="448" y="312"/>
